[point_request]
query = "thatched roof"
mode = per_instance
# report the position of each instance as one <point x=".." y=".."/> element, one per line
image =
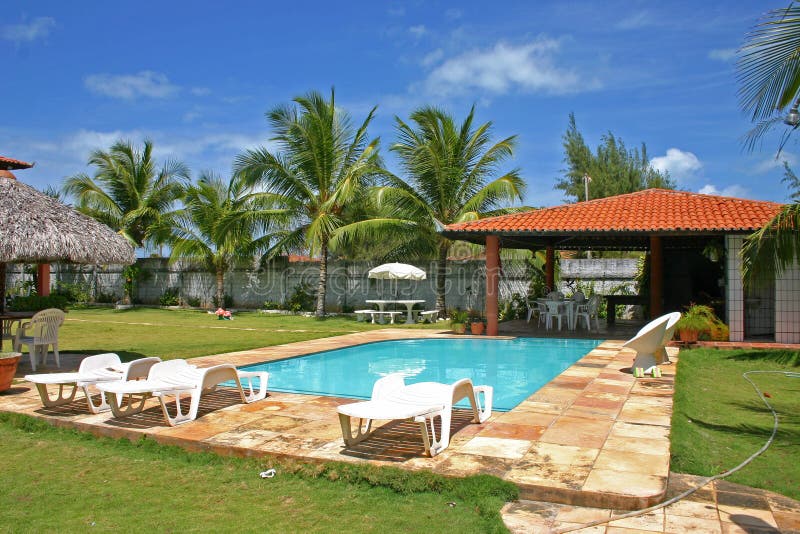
<point x="35" y="228"/>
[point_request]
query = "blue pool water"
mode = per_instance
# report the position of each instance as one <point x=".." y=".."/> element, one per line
<point x="516" y="368"/>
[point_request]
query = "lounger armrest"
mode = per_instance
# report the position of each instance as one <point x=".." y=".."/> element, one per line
<point x="247" y="377"/>
<point x="485" y="407"/>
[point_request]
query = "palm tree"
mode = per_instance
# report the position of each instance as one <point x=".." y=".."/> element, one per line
<point x="776" y="246"/>
<point x="769" y="72"/>
<point x="321" y="168"/>
<point x="128" y="192"/>
<point x="450" y="171"/>
<point x="221" y="224"/>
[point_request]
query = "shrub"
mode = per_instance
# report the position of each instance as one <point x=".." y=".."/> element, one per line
<point x="36" y="303"/>
<point x="301" y="299"/>
<point x="74" y="293"/>
<point x="170" y="297"/>
<point x="194" y="302"/>
<point x="272" y="305"/>
<point x="106" y="298"/>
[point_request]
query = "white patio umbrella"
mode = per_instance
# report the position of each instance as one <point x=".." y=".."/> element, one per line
<point x="396" y="271"/>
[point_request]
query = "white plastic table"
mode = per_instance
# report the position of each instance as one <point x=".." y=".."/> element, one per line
<point x="409" y="304"/>
<point x="570" y="306"/>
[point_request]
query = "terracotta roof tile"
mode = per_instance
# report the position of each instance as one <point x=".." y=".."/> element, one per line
<point x="10" y="163"/>
<point x="651" y="210"/>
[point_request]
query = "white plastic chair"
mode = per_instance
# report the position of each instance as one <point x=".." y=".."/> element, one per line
<point x="588" y="311"/>
<point x="533" y="307"/>
<point x="92" y="371"/>
<point x="648" y="342"/>
<point x="177" y="377"/>
<point x="422" y="402"/>
<point x="39" y="333"/>
<point x="578" y="297"/>
<point x="672" y="322"/>
<point x="555" y="310"/>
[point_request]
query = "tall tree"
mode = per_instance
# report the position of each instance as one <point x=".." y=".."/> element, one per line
<point x="451" y="173"/>
<point x="776" y="246"/>
<point x="128" y="192"/>
<point x="322" y="166"/>
<point x="221" y="224"/>
<point x="769" y="76"/>
<point x="613" y="168"/>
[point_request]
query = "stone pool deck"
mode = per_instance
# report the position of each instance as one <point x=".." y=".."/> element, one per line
<point x="594" y="436"/>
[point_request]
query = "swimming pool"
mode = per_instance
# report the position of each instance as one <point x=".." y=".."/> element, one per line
<point x="516" y="368"/>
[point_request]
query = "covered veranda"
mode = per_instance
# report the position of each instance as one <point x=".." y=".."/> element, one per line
<point x="679" y="231"/>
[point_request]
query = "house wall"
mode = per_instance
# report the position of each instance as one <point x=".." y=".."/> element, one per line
<point x="735" y="288"/>
<point x="787" y="306"/>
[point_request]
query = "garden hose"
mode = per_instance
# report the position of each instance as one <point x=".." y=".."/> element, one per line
<point x="705" y="481"/>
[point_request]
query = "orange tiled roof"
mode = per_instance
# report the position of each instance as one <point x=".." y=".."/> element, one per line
<point x="9" y="163"/>
<point x="651" y="210"/>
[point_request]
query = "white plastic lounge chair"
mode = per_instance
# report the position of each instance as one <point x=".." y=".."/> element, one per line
<point x="93" y="370"/>
<point x="422" y="402"/>
<point x="39" y="333"/>
<point x="649" y="342"/>
<point x="177" y="377"/>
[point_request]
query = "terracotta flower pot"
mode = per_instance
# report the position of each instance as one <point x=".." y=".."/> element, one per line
<point x="688" y="336"/>
<point x="477" y="328"/>
<point x="8" y="368"/>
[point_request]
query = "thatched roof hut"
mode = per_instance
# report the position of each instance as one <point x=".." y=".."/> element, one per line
<point x="35" y="228"/>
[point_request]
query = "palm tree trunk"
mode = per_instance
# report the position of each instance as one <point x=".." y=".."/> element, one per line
<point x="323" y="279"/>
<point x="441" y="280"/>
<point x="220" y="288"/>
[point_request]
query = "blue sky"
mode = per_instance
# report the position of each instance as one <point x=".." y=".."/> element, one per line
<point x="197" y="78"/>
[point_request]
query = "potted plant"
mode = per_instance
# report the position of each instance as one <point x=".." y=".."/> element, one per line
<point x="476" y="324"/>
<point x="458" y="321"/>
<point x="8" y="368"/>
<point x="695" y="320"/>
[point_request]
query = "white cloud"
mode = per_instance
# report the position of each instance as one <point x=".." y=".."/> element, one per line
<point x="734" y="190"/>
<point x="722" y="54"/>
<point x="145" y="83"/>
<point x="200" y="91"/>
<point x="528" y="67"/>
<point x="432" y="58"/>
<point x="681" y="165"/>
<point x="775" y="164"/>
<point x="453" y="14"/>
<point x="191" y="116"/>
<point x="634" y="21"/>
<point x="418" y="31"/>
<point x="38" y="28"/>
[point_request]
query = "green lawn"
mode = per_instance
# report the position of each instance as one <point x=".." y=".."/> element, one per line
<point x="141" y="332"/>
<point x="60" y="480"/>
<point x="719" y="420"/>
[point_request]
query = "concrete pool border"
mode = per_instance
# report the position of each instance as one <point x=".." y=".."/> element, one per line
<point x="593" y="436"/>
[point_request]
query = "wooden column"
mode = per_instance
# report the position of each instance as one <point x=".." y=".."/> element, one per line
<point x="656" y="276"/>
<point x="549" y="269"/>
<point x="43" y="279"/>
<point x="492" y="283"/>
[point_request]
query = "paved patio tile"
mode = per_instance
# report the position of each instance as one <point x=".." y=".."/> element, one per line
<point x="498" y="447"/>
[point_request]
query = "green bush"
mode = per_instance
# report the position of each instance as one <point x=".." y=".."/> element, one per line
<point x="272" y="305"/>
<point x="74" y="293"/>
<point x="227" y="302"/>
<point x="106" y="298"/>
<point x="170" y="297"/>
<point x="36" y="303"/>
<point x="301" y="299"/>
<point x="194" y="302"/>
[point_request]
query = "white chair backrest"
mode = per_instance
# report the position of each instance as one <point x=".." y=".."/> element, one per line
<point x="45" y="325"/>
<point x="578" y="297"/>
<point x="555" y="295"/>
<point x="387" y="384"/>
<point x="168" y="369"/>
<point x="672" y="322"/>
<point x="99" y="361"/>
<point x="650" y="337"/>
<point x="552" y="307"/>
<point x="594" y="304"/>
